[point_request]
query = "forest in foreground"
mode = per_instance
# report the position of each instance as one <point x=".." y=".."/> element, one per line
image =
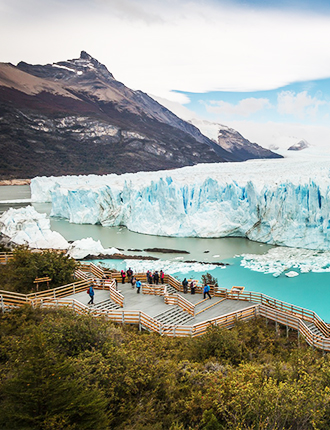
<point x="63" y="371"/>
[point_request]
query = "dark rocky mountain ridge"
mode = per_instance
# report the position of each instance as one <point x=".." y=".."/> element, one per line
<point x="73" y="117"/>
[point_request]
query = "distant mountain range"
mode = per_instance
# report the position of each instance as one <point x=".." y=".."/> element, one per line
<point x="73" y="117"/>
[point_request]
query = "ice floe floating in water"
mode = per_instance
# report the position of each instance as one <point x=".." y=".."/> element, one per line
<point x="281" y="259"/>
<point x="291" y="274"/>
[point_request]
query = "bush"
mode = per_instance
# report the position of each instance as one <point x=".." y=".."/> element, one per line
<point x="20" y="272"/>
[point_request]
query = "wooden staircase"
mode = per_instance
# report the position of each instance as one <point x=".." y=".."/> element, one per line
<point x="107" y="304"/>
<point x="174" y="316"/>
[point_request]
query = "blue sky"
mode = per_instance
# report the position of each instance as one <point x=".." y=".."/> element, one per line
<point x="307" y="101"/>
<point x="245" y="63"/>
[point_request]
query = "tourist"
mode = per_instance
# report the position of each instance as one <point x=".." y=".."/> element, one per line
<point x="123" y="276"/>
<point x="138" y="286"/>
<point x="207" y="291"/>
<point x="129" y="274"/>
<point x="91" y="293"/>
<point x="156" y="277"/>
<point x="162" y="276"/>
<point x="149" y="277"/>
<point x="192" y="287"/>
<point x="185" y="285"/>
<point x="133" y="281"/>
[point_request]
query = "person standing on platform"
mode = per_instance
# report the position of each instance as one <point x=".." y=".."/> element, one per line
<point x="192" y="287"/>
<point x="207" y="291"/>
<point x="91" y="293"/>
<point x="123" y="276"/>
<point x="185" y="285"/>
<point x="129" y="274"/>
<point x="162" y="276"/>
<point x="138" y="286"/>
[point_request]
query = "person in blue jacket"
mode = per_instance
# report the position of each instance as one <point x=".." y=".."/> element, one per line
<point x="91" y="293"/>
<point x="207" y="291"/>
<point x="138" y="286"/>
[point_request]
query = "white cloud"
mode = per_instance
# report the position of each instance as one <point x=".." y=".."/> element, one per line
<point x="245" y="107"/>
<point x="282" y="135"/>
<point x="299" y="105"/>
<point x="171" y="45"/>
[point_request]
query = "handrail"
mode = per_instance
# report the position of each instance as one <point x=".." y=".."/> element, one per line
<point x="211" y="306"/>
<point x="5" y="256"/>
<point x="271" y="302"/>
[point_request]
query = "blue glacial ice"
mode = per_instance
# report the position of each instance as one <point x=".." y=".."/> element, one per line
<point x="283" y="202"/>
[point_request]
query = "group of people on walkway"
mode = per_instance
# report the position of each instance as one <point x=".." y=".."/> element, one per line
<point x="152" y="278"/>
<point x="185" y="284"/>
<point x="155" y="277"/>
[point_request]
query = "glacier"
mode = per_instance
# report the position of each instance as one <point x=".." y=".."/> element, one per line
<point x="281" y="202"/>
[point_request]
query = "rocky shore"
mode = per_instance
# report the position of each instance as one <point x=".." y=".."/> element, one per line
<point x="15" y="182"/>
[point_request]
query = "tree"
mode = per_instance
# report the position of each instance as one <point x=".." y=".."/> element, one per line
<point x="210" y="280"/>
<point x="20" y="272"/>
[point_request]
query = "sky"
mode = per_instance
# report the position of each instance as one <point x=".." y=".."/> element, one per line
<point x="260" y="66"/>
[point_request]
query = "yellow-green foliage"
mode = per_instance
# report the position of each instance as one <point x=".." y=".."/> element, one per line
<point x="63" y="371"/>
<point x="20" y="272"/>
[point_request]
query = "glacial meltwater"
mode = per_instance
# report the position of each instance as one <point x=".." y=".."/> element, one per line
<point x="309" y="290"/>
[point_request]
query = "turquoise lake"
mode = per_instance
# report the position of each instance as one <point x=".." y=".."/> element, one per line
<point x="308" y="290"/>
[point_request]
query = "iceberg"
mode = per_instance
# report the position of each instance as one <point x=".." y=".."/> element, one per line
<point x="280" y="202"/>
<point x="25" y="226"/>
<point x="169" y="267"/>
<point x="79" y="249"/>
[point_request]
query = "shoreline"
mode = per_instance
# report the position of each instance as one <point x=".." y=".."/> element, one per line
<point x="4" y="182"/>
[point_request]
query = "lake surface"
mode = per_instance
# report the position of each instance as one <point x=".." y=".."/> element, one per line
<point x="309" y="290"/>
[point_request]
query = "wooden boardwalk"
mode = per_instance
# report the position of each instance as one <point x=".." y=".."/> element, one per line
<point x="166" y="310"/>
<point x="154" y="305"/>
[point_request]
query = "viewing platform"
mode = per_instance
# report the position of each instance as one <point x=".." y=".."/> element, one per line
<point x="166" y="309"/>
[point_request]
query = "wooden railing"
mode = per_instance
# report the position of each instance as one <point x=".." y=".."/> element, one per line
<point x="5" y="257"/>
<point x="115" y="295"/>
<point x="58" y="292"/>
<point x="81" y="274"/>
<point x="153" y="290"/>
<point x="263" y="305"/>
<point x="270" y="302"/>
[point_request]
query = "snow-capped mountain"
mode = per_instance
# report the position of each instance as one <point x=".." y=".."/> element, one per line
<point x="74" y="117"/>
<point x="299" y="146"/>
<point x="232" y="141"/>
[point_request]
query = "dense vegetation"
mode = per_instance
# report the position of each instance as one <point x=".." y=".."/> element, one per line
<point x="63" y="371"/>
<point x="20" y="272"/>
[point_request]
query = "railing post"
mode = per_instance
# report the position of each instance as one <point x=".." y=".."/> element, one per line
<point x="140" y="328"/>
<point x="123" y="317"/>
<point x="2" y="305"/>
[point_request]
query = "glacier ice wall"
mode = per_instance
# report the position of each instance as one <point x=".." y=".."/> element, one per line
<point x="283" y="202"/>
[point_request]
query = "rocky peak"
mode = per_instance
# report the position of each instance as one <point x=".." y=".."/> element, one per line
<point x="302" y="144"/>
<point x="84" y="66"/>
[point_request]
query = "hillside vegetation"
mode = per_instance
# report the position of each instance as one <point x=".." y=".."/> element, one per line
<point x="63" y="371"/>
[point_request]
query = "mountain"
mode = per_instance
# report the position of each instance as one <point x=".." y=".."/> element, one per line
<point x="299" y="146"/>
<point x="232" y="141"/>
<point x="74" y="117"/>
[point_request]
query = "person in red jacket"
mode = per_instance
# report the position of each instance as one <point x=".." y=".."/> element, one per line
<point x="123" y="276"/>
